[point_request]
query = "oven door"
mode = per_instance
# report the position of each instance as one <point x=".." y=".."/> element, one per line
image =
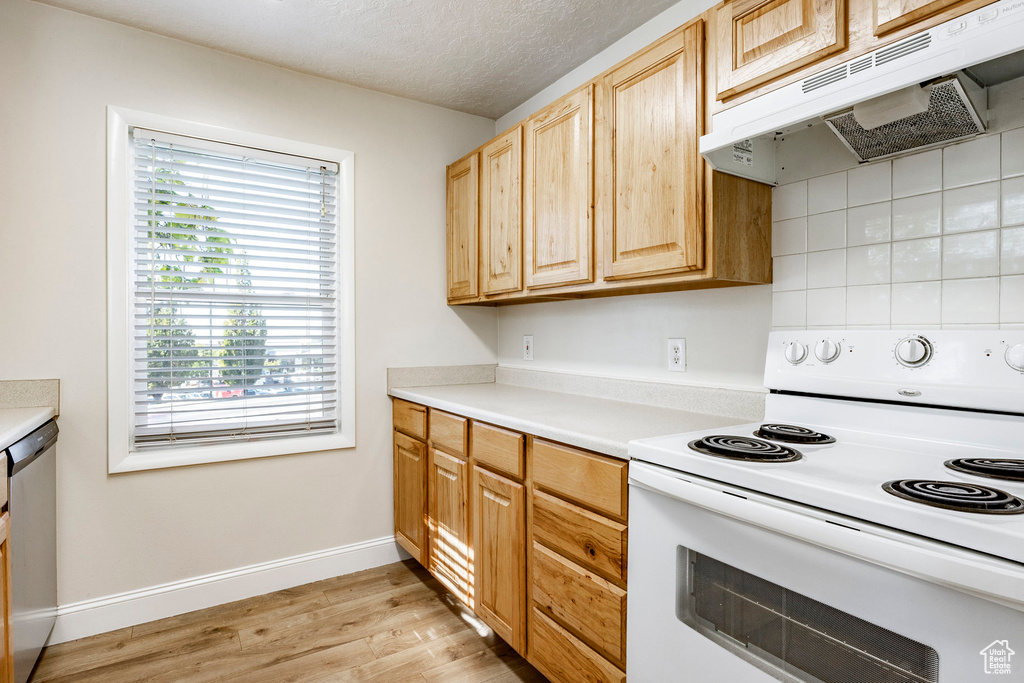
<point x="729" y="586"/>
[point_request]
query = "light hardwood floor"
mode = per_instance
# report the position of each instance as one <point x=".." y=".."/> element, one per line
<point x="394" y="623"/>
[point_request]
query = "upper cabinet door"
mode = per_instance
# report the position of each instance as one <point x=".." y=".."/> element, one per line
<point x="652" y="176"/>
<point x="501" y="217"/>
<point x="891" y="15"/>
<point x="759" y="40"/>
<point x="462" y="190"/>
<point x="559" y="194"/>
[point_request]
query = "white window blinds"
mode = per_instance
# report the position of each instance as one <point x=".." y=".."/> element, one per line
<point x="234" y="329"/>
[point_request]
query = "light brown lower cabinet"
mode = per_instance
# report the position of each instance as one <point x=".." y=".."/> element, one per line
<point x="6" y="642"/>
<point x="450" y="558"/>
<point x="499" y="563"/>
<point x="528" y="533"/>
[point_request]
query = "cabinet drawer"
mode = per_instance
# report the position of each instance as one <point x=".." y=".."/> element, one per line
<point x="448" y="431"/>
<point x="564" y="658"/>
<point x="591" y="540"/>
<point x="498" y="448"/>
<point x="589" y="606"/>
<point x="587" y="478"/>
<point x="410" y="418"/>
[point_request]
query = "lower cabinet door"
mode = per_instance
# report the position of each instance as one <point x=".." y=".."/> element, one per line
<point x="449" y="551"/>
<point x="6" y="642"/>
<point x="411" y="495"/>
<point x="499" y="546"/>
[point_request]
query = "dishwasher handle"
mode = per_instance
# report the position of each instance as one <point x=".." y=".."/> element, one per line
<point x="21" y="453"/>
<point x="990" y="578"/>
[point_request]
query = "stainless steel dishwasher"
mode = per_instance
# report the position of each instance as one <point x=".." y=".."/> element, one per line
<point x="32" y="491"/>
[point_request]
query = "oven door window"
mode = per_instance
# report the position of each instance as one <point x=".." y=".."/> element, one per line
<point x="790" y="635"/>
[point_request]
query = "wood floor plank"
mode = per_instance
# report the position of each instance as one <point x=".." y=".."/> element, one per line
<point x="393" y="624"/>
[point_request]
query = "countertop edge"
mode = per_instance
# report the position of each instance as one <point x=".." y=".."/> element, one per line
<point x="614" y="449"/>
<point x="16" y="423"/>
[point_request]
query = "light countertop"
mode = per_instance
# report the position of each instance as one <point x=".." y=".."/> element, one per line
<point x="18" y="422"/>
<point x="596" y="424"/>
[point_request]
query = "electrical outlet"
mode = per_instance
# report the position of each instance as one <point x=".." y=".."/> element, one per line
<point x="527" y="347"/>
<point x="677" y="355"/>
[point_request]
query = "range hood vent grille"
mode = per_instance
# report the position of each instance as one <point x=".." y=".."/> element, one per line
<point x="950" y="116"/>
<point x="903" y="48"/>
<point x="825" y="78"/>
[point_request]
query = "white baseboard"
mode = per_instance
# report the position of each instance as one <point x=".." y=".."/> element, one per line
<point x="89" y="617"/>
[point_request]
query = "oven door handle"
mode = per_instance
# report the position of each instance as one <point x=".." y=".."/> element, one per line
<point x="981" y="575"/>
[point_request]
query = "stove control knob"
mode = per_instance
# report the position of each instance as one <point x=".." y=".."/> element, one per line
<point x="1015" y="357"/>
<point x="827" y="350"/>
<point x="796" y="353"/>
<point x="914" y="352"/>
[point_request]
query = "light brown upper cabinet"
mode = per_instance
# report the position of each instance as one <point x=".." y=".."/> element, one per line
<point x="653" y="176"/>
<point x="890" y="15"/>
<point x="559" y="191"/>
<point x="760" y="40"/>
<point x="463" y="218"/>
<point x="501" y="217"/>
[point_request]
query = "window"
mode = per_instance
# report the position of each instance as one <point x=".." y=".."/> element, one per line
<point x="237" y="297"/>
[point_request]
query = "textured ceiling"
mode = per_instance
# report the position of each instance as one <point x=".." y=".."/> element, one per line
<point x="481" y="57"/>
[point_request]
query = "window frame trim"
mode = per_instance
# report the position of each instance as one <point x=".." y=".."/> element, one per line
<point x="120" y="388"/>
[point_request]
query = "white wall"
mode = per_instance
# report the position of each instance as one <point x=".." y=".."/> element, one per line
<point x="118" y="533"/>
<point x="672" y="18"/>
<point x="726" y="330"/>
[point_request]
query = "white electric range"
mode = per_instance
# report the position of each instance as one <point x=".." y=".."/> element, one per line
<point x="871" y="529"/>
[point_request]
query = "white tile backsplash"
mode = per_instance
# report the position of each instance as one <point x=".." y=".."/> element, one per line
<point x="970" y="163"/>
<point x="1013" y="201"/>
<point x="917" y="216"/>
<point x="971" y="254"/>
<point x="868" y="265"/>
<point x="826" y="269"/>
<point x="869" y="184"/>
<point x="971" y="208"/>
<point x="826" y="193"/>
<point x="826" y="231"/>
<point x="916" y="303"/>
<point x="789" y="272"/>
<point x="868" y="305"/>
<point x="868" y="224"/>
<point x="970" y="301"/>
<point x="1011" y="300"/>
<point x="1013" y="153"/>
<point x="1012" y="251"/>
<point x="789" y="237"/>
<point x="917" y="260"/>
<point x="931" y="240"/>
<point x="789" y="201"/>
<point x="917" y="174"/>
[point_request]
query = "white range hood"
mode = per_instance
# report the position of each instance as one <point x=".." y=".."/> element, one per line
<point x="859" y="94"/>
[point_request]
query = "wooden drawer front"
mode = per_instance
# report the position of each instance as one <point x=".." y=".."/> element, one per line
<point x="410" y="418"/>
<point x="498" y="448"/>
<point x="596" y="543"/>
<point x="759" y="40"/>
<point x="564" y="658"/>
<point x="586" y="478"/>
<point x="448" y="431"/>
<point x="589" y="606"/>
<point x="410" y="495"/>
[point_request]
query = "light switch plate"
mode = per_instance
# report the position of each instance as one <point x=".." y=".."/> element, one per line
<point x="527" y="347"/>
